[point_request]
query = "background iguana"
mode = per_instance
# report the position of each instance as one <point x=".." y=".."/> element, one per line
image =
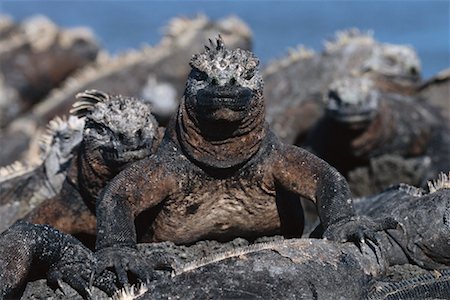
<point x="362" y="124"/>
<point x="24" y="186"/>
<point x="294" y="84"/>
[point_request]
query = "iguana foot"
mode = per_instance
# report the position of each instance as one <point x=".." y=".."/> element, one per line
<point x="357" y="229"/>
<point x="125" y="261"/>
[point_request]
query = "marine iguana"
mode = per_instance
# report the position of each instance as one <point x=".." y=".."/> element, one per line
<point x="221" y="173"/>
<point x="118" y="130"/>
<point x="294" y="84"/>
<point x="23" y="187"/>
<point x="317" y="269"/>
<point x="361" y="123"/>
<point x="37" y="56"/>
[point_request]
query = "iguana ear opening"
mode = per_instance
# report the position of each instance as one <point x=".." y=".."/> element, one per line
<point x="87" y="101"/>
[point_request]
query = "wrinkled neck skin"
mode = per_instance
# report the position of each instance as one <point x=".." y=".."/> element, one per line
<point x="378" y="132"/>
<point x="92" y="173"/>
<point x="221" y="144"/>
<point x="56" y="167"/>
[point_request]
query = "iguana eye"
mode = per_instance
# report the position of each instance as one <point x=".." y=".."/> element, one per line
<point x="199" y="75"/>
<point x="249" y="74"/>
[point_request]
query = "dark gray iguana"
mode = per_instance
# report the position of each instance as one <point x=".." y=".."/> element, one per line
<point x="294" y="84"/>
<point x="23" y="187"/>
<point x="362" y="124"/>
<point x="318" y="269"/>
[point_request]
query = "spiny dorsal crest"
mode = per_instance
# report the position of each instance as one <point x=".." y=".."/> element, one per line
<point x="217" y="56"/>
<point x="87" y="102"/>
<point x="130" y="292"/>
<point x="17" y="168"/>
<point x="179" y="26"/>
<point x="442" y="182"/>
<point x="347" y="37"/>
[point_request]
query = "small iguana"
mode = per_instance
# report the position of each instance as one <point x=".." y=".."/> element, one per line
<point x="23" y="187"/>
<point x="362" y="123"/>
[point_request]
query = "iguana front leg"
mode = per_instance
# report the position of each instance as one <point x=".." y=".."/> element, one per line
<point x="303" y="173"/>
<point x="139" y="187"/>
<point x="68" y="260"/>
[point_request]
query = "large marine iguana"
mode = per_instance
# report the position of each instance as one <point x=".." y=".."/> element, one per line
<point x="24" y="186"/>
<point x="362" y="123"/>
<point x="294" y="84"/>
<point x="305" y="268"/>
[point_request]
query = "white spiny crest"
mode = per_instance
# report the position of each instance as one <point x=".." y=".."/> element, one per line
<point x="130" y="292"/>
<point x="17" y="168"/>
<point x="180" y="25"/>
<point x="87" y="101"/>
<point x="301" y="52"/>
<point x="442" y="182"/>
<point x="345" y="37"/>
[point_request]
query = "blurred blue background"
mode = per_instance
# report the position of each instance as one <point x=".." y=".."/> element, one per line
<point x="276" y="25"/>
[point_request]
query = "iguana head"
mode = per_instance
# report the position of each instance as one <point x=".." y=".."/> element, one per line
<point x="224" y="85"/>
<point x="352" y="101"/>
<point x="221" y="119"/>
<point x="394" y="61"/>
<point x="122" y="129"/>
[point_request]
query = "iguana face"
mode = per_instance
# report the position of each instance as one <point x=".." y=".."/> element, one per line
<point x="121" y="128"/>
<point x="224" y="85"/>
<point x="352" y="101"/>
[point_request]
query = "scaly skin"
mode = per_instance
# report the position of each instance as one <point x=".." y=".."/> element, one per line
<point x="220" y="173"/>
<point x="362" y="123"/>
<point x="295" y="83"/>
<point x="23" y="187"/>
<point x="111" y="140"/>
<point x="290" y="268"/>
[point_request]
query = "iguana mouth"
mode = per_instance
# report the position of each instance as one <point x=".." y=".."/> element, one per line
<point x="235" y="98"/>
<point x="125" y="155"/>
<point x="361" y="117"/>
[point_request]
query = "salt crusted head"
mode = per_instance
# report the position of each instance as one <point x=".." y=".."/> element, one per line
<point x="121" y="128"/>
<point x="396" y="61"/>
<point x="224" y="85"/>
<point x="352" y="101"/>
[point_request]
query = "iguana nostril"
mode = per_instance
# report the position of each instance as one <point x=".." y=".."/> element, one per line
<point x="233" y="81"/>
<point x="215" y="81"/>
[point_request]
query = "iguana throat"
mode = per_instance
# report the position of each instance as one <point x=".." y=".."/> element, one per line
<point x="218" y="144"/>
